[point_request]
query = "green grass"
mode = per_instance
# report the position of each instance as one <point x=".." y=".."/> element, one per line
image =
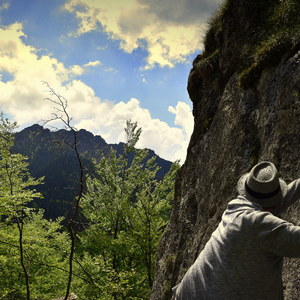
<point x="212" y="37"/>
<point x="275" y="35"/>
<point x="278" y="35"/>
<point x="208" y="63"/>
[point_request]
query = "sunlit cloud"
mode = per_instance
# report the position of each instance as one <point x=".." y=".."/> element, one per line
<point x="109" y="120"/>
<point x="22" y="97"/>
<point x="168" y="32"/>
<point x="183" y="117"/>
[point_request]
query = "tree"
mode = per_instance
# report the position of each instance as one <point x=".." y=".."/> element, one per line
<point x="45" y="246"/>
<point x="31" y="248"/>
<point x="127" y="209"/>
<point x="149" y="216"/>
<point x="14" y="190"/>
<point x="61" y="114"/>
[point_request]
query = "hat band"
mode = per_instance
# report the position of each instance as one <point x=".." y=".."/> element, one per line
<point x="258" y="195"/>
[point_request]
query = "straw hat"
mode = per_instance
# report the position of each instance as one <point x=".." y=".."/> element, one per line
<point x="263" y="185"/>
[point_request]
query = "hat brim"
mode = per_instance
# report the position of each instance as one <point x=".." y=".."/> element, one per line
<point x="270" y="202"/>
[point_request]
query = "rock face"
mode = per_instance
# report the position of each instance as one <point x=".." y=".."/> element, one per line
<point x="245" y="111"/>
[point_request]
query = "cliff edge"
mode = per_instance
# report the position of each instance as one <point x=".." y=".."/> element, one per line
<point x="245" y="89"/>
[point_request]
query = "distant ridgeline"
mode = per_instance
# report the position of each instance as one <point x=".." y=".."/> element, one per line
<point x="51" y="157"/>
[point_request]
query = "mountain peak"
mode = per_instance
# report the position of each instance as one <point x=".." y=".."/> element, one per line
<point x="51" y="157"/>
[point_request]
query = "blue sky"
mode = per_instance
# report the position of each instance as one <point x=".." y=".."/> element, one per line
<point x="112" y="60"/>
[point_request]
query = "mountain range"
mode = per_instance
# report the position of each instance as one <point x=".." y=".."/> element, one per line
<point x="50" y="156"/>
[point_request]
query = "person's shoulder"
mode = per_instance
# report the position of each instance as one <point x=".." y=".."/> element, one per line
<point x="266" y="220"/>
<point x="243" y="211"/>
<point x="242" y="203"/>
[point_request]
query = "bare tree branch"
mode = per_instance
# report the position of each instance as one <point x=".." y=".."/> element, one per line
<point x="62" y="115"/>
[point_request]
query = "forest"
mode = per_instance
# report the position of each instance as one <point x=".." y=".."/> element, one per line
<point x="105" y="248"/>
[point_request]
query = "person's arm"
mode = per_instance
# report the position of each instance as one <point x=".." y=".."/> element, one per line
<point x="292" y="196"/>
<point x="277" y="236"/>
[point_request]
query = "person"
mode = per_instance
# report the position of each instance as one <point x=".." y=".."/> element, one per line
<point x="243" y="259"/>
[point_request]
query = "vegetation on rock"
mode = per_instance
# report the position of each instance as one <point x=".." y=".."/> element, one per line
<point x="263" y="33"/>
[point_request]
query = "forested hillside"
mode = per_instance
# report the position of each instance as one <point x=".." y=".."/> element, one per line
<point x="50" y="156"/>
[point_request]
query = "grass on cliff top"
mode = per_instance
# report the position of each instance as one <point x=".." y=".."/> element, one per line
<point x="276" y="33"/>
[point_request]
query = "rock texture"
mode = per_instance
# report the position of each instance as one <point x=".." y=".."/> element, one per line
<point x="235" y="127"/>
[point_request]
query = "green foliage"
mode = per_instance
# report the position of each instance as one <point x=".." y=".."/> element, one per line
<point x="14" y="176"/>
<point x="277" y="34"/>
<point x="100" y="281"/>
<point x="132" y="134"/>
<point x="264" y="33"/>
<point x="45" y="246"/>
<point x="206" y="64"/>
<point x="29" y="244"/>
<point x="212" y="37"/>
<point x="127" y="209"/>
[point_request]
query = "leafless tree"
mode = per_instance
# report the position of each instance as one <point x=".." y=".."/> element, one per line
<point x="60" y="113"/>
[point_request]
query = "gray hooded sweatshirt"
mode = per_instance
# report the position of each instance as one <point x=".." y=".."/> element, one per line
<point x="244" y="256"/>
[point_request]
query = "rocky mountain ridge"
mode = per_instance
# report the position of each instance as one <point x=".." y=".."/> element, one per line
<point x="50" y="156"/>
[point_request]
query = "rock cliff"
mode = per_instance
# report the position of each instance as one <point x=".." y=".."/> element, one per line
<point x="245" y="89"/>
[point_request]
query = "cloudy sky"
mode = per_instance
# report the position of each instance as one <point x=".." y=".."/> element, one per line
<point x="113" y="60"/>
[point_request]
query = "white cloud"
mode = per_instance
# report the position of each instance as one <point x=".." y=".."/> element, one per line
<point x="183" y="117"/>
<point x="169" y="31"/>
<point x="109" y="121"/>
<point x="22" y="98"/>
<point x="92" y="63"/>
